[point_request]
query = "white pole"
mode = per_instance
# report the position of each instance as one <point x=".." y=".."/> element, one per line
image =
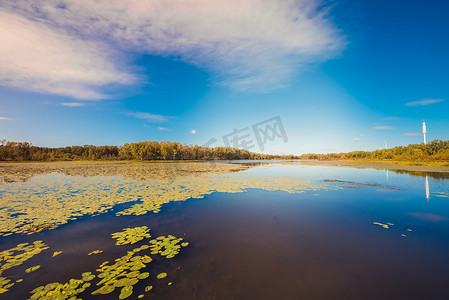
<point x="424" y="131"/>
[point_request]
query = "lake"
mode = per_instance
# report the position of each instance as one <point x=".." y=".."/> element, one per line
<point x="277" y="230"/>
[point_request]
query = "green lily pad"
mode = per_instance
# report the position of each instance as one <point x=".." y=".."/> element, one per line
<point x="32" y="269"/>
<point x="104" y="290"/>
<point x="131" y="235"/>
<point x="148" y="288"/>
<point x="126" y="292"/>
<point x="143" y="275"/>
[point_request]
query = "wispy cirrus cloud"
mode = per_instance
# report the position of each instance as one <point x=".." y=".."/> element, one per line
<point x="244" y="44"/>
<point x="424" y="102"/>
<point x="73" y="104"/>
<point x="149" y="117"/>
<point x="6" y="119"/>
<point x="383" y="128"/>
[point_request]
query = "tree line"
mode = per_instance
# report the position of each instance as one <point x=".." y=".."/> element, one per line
<point x="436" y="150"/>
<point x="24" y="151"/>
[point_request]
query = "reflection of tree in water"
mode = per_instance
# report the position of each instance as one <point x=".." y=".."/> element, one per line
<point x="436" y="175"/>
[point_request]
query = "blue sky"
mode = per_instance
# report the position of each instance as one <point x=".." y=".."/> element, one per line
<point x="341" y="75"/>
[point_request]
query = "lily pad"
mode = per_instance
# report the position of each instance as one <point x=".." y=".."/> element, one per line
<point x="56" y="253"/>
<point x="148" y="288"/>
<point x="131" y="235"/>
<point x="143" y="275"/>
<point x="32" y="269"/>
<point x="126" y="292"/>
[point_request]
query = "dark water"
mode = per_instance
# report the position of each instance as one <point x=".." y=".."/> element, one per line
<point x="275" y="245"/>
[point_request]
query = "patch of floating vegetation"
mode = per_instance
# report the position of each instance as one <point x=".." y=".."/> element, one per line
<point x="95" y="252"/>
<point x="386" y="226"/>
<point x="199" y="187"/>
<point x="48" y="201"/>
<point x="167" y="246"/>
<point x="5" y="284"/>
<point x="32" y="269"/>
<point x="124" y="272"/>
<point x="148" y="288"/>
<point x="15" y="257"/>
<point x="19" y="254"/>
<point x="123" y="275"/>
<point x="21" y="172"/>
<point x="441" y="194"/>
<point x="56" y="253"/>
<point x="68" y="290"/>
<point x="131" y="235"/>
<point x="356" y="185"/>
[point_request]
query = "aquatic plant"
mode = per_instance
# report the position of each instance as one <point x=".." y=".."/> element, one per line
<point x="69" y="290"/>
<point x="46" y="202"/>
<point x="56" y="253"/>
<point x="441" y="194"/>
<point x="19" y="254"/>
<point x="15" y="257"/>
<point x="131" y="235"/>
<point x="125" y="272"/>
<point x="32" y="269"/>
<point x="386" y="226"/>
<point x="5" y="284"/>
<point x="166" y="246"/>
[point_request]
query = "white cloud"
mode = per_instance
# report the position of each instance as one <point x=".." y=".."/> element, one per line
<point x="245" y="44"/>
<point x="163" y="129"/>
<point x="193" y="131"/>
<point x="411" y="134"/>
<point x="38" y="58"/>
<point x="149" y="117"/>
<point x="6" y="119"/>
<point x="72" y="104"/>
<point x="423" y="102"/>
<point x="383" y="128"/>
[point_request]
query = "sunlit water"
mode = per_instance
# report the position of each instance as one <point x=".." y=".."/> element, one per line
<point x="259" y="244"/>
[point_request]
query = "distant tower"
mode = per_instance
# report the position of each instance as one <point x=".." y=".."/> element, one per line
<point x="424" y="131"/>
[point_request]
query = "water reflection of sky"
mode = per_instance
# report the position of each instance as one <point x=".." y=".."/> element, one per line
<point x="271" y="244"/>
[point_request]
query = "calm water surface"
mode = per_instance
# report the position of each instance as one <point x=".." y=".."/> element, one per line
<point x="274" y="245"/>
